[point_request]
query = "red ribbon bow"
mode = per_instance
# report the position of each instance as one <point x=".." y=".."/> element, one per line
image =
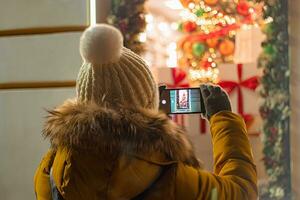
<point x="250" y="83"/>
<point x="178" y="77"/>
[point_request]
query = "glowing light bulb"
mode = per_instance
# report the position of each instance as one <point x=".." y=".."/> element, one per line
<point x="173" y="4"/>
<point x="191" y="5"/>
<point x="143" y="37"/>
<point x="149" y="18"/>
<point x="92" y="12"/>
<point x="172" y="55"/>
<point x="174" y="26"/>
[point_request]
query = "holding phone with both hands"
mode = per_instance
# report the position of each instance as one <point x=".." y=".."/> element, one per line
<point x="181" y="101"/>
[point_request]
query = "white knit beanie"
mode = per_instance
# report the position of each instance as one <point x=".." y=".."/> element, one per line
<point x="112" y="74"/>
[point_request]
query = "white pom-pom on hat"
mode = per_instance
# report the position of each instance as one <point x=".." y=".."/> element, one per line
<point x="101" y="44"/>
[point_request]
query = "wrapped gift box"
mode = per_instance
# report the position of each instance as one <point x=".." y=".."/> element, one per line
<point x="241" y="82"/>
<point x="248" y="41"/>
<point x="172" y="77"/>
<point x="197" y="129"/>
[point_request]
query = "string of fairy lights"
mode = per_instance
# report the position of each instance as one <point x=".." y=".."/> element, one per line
<point x="208" y="33"/>
<point x="198" y="21"/>
<point x="210" y="29"/>
<point x="203" y="17"/>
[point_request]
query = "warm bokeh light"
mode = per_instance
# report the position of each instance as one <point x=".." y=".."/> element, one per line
<point x="92" y="12"/>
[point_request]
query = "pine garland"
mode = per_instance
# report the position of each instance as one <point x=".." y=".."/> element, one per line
<point x="129" y="17"/>
<point x="275" y="110"/>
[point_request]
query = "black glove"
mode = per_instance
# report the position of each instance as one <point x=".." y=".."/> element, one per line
<point x="215" y="99"/>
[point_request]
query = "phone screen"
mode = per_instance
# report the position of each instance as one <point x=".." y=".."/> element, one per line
<point x="181" y="101"/>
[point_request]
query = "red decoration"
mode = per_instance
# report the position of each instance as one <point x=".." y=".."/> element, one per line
<point x="178" y="76"/>
<point x="250" y="83"/>
<point x="243" y="8"/>
<point x="178" y="119"/>
<point x="206" y="64"/>
<point x="189" y="26"/>
<point x="202" y="126"/>
<point x="201" y="37"/>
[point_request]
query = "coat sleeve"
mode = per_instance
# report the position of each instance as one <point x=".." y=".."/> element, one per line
<point x="234" y="175"/>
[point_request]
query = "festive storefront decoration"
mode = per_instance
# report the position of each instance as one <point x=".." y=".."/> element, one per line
<point x="241" y="82"/>
<point x="249" y="83"/>
<point x="243" y="8"/>
<point x="189" y="26"/>
<point x="248" y="41"/>
<point x="226" y="47"/>
<point x="129" y="17"/>
<point x="275" y="110"/>
<point x="179" y="78"/>
<point x="210" y="27"/>
<point x="203" y="126"/>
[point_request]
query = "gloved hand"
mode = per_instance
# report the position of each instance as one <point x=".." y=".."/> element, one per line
<point x="215" y="99"/>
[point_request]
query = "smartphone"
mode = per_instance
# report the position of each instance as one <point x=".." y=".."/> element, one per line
<point x="181" y="101"/>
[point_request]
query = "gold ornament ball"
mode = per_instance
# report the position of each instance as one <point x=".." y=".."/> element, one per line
<point x="211" y="2"/>
<point x="183" y="63"/>
<point x="212" y="42"/>
<point x="226" y="47"/>
<point x="187" y="47"/>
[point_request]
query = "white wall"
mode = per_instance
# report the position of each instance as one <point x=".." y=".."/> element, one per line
<point x="38" y="58"/>
<point x="51" y="57"/>
<point x="295" y="91"/>
<point x="15" y="14"/>
<point x="22" y="114"/>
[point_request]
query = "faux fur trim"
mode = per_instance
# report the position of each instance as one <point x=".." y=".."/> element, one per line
<point x="91" y="127"/>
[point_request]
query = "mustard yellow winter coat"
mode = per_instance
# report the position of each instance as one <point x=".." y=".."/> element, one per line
<point x="100" y="153"/>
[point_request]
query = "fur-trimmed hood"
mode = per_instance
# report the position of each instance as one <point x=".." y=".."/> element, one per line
<point x="91" y="127"/>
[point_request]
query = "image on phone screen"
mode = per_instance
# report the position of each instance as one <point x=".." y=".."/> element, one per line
<point x="181" y="101"/>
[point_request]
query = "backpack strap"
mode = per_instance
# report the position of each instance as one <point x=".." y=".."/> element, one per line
<point x="54" y="191"/>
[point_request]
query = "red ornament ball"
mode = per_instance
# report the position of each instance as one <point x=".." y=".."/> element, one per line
<point x="243" y="8"/>
<point x="206" y="64"/>
<point x="189" y="26"/>
<point x="187" y="47"/>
